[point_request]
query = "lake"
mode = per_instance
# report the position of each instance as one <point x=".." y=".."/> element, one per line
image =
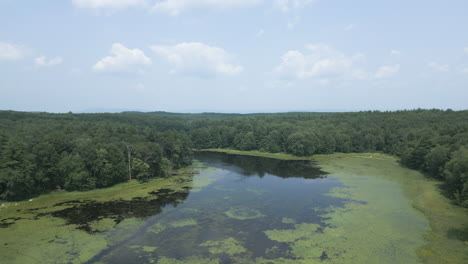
<point x="231" y="209"/>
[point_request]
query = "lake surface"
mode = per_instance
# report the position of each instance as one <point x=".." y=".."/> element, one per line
<point x="228" y="219"/>
<point x="235" y="209"/>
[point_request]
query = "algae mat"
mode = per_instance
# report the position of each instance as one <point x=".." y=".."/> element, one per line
<point x="236" y="209"/>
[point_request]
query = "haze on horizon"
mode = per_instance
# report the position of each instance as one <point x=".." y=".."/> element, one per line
<point x="232" y="56"/>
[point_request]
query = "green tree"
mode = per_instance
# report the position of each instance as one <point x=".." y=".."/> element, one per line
<point x="435" y="161"/>
<point x="141" y="170"/>
<point x="456" y="175"/>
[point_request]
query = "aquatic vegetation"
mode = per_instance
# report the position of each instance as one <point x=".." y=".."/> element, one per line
<point x="156" y="228"/>
<point x="143" y="248"/>
<point x="102" y="225"/>
<point x="261" y="260"/>
<point x="301" y="231"/>
<point x="377" y="224"/>
<point x="184" y="222"/>
<point x="406" y="187"/>
<point x="203" y="181"/>
<point x="243" y="213"/>
<point x="229" y="246"/>
<point x="32" y="228"/>
<point x="364" y="212"/>
<point x="47" y="240"/>
<point x="287" y="220"/>
<point x="189" y="260"/>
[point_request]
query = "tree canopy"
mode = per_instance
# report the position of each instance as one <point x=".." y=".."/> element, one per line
<point x="40" y="151"/>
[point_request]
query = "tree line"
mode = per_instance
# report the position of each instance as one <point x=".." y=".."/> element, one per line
<point x="44" y="152"/>
<point x="40" y="151"/>
<point x="432" y="141"/>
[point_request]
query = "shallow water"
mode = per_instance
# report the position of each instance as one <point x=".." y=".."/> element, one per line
<point x="237" y="209"/>
<point x="228" y="218"/>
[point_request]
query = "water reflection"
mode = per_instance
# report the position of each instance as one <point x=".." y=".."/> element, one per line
<point x="228" y="218"/>
<point x="225" y="219"/>
<point x="260" y="166"/>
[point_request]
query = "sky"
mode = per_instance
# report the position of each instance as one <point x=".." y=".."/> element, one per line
<point x="233" y="55"/>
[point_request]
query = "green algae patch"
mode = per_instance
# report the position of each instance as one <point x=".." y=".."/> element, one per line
<point x="201" y="168"/>
<point x="287" y="220"/>
<point x="149" y="249"/>
<point x="47" y="240"/>
<point x="45" y="230"/>
<point x="189" y="260"/>
<point x="184" y="222"/>
<point x="301" y="231"/>
<point x="203" y="181"/>
<point x="391" y="191"/>
<point x="244" y="260"/>
<point x="123" y="231"/>
<point x="229" y="246"/>
<point x="243" y="213"/>
<point x="102" y="225"/>
<point x="376" y="225"/>
<point x="156" y="228"/>
<point x="381" y="218"/>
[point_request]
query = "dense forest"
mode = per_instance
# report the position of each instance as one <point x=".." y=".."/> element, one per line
<point x="44" y="152"/>
<point x="40" y="151"/>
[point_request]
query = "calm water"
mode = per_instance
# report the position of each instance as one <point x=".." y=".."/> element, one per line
<point x="225" y="219"/>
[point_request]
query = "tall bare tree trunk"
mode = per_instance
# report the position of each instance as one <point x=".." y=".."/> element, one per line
<point x="129" y="153"/>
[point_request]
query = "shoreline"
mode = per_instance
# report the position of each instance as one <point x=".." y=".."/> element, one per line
<point x="446" y="220"/>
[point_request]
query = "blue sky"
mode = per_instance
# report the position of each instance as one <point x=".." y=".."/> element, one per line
<point x="232" y="55"/>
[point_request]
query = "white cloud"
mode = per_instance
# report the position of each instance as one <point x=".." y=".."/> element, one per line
<point x="438" y="67"/>
<point x="123" y="59"/>
<point x="43" y="61"/>
<point x="325" y="63"/>
<point x="465" y="70"/>
<point x="466" y="50"/>
<point x="395" y="53"/>
<point x="290" y="5"/>
<point x="294" y="64"/>
<point x="387" y="71"/>
<point x="109" y="4"/>
<point x="196" y="58"/>
<point x="349" y="27"/>
<point x="318" y="61"/>
<point x="175" y="7"/>
<point x="11" y="52"/>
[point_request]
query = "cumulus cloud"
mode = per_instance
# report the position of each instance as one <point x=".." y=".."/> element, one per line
<point x="319" y="61"/>
<point x="122" y="59"/>
<point x="326" y="63"/>
<point x="438" y="67"/>
<point x="109" y="4"/>
<point x="387" y="71"/>
<point x="11" y="52"/>
<point x="195" y="58"/>
<point x="43" y="61"/>
<point x="175" y="7"/>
